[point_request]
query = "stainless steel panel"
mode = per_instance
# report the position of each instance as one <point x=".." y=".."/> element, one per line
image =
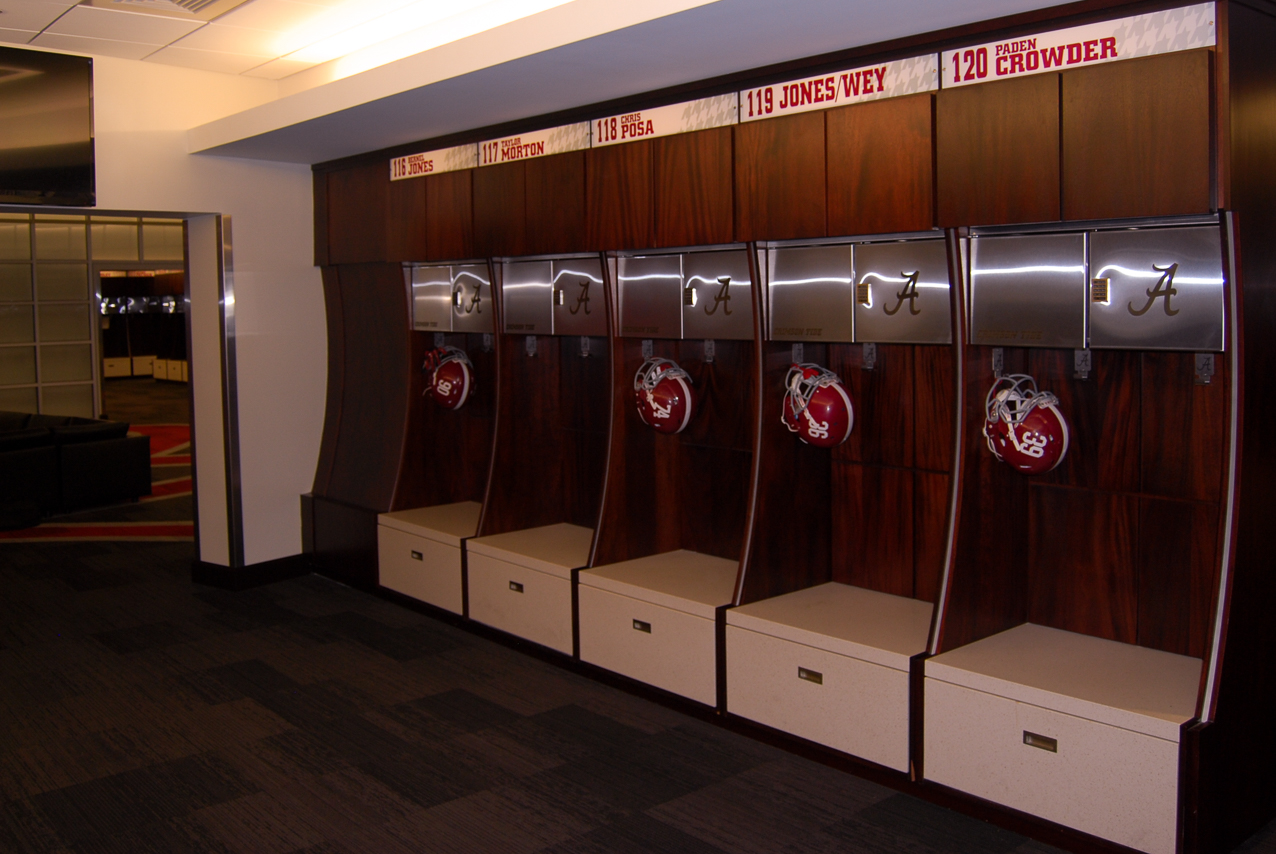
<point x="1165" y="289"/>
<point x="472" y="299"/>
<point x="718" y="295"/>
<point x="901" y="294"/>
<point x="650" y="296"/>
<point x="431" y="298"/>
<point x="1028" y="291"/>
<point x="527" y="291"/>
<point x="581" y="308"/>
<point x="809" y="288"/>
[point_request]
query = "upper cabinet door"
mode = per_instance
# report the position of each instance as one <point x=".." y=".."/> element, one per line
<point x="357" y="213"/>
<point x="779" y="178"/>
<point x="997" y="152"/>
<point x="1136" y="137"/>
<point x="881" y="166"/>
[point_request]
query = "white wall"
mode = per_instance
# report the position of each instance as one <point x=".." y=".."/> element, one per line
<point x="142" y="113"/>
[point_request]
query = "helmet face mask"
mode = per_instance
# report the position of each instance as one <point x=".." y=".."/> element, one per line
<point x="450" y="376"/>
<point x="816" y="406"/>
<point x="662" y="391"/>
<point x="1023" y="426"/>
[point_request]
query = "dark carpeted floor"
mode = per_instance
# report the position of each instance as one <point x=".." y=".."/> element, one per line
<point x="143" y="400"/>
<point x="141" y="713"/>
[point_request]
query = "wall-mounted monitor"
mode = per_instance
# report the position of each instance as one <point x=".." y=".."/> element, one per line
<point x="46" y="129"/>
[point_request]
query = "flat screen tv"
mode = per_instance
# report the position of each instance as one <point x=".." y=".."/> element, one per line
<point x="46" y="128"/>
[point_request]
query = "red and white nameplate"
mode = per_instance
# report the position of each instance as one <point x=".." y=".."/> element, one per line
<point x="884" y="80"/>
<point x="1172" y="30"/>
<point x="539" y="143"/>
<point x="433" y="162"/>
<point x="668" y="120"/>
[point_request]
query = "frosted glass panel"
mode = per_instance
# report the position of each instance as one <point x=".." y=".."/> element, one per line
<point x="64" y="322"/>
<point x="15" y="324"/>
<point x="15" y="282"/>
<point x="58" y="240"/>
<point x="17" y="399"/>
<point x="17" y="366"/>
<point x="163" y="242"/>
<point x="114" y="241"/>
<point x="15" y="240"/>
<point x="62" y="281"/>
<point x="65" y="363"/>
<point x="68" y="400"/>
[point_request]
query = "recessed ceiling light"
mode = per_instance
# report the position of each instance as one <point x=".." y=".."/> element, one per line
<point x="188" y="10"/>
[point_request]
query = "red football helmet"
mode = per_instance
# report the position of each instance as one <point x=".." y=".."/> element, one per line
<point x="816" y="406"/>
<point x="1024" y="427"/>
<point x="663" y="392"/>
<point x="451" y="376"/>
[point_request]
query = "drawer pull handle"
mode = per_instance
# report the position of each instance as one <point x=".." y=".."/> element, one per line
<point x="640" y="626"/>
<point x="1042" y="742"/>
<point x="516" y="587"/>
<point x="417" y="556"/>
<point x="811" y="675"/>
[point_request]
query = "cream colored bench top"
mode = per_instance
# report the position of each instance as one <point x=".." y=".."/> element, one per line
<point x="1120" y="684"/>
<point x="554" y="549"/>
<point x="682" y="580"/>
<point x="445" y="523"/>
<point x="852" y="621"/>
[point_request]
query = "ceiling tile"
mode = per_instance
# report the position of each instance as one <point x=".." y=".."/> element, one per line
<point x="279" y="68"/>
<point x="16" y="36"/>
<point x="100" y="47"/>
<point x="277" y="16"/>
<point x="206" y="60"/>
<point x="224" y="39"/>
<point x="121" y="26"/>
<point x="29" y="14"/>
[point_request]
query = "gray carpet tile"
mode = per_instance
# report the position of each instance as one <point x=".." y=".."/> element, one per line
<point x="141" y="713"/>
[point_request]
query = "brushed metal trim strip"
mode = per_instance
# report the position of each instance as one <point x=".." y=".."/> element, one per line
<point x="230" y="395"/>
<point x="957" y="290"/>
<point x="1208" y="696"/>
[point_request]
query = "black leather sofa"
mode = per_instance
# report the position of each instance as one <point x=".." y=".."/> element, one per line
<point x="53" y="464"/>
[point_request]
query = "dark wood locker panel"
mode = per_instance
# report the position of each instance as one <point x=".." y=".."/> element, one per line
<point x="997" y="152"/>
<point x="780" y="178"/>
<point x="881" y="166"/>
<point x="873" y="527"/>
<point x="321" y="218"/>
<point x="1136" y="137"/>
<point x="1080" y="564"/>
<point x="336" y="379"/>
<point x="1178" y="571"/>
<point x="500" y="201"/>
<point x="357" y="213"/>
<point x="693" y="188"/>
<point x="556" y="204"/>
<point x="449" y="225"/>
<point x="618" y="186"/>
<point x="377" y="378"/>
<point x="405" y="225"/>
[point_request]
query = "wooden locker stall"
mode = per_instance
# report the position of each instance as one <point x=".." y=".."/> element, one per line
<point x="835" y="601"/>
<point x="674" y="514"/>
<point x="550" y="448"/>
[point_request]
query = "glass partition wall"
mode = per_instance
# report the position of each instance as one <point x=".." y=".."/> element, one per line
<point x="50" y="302"/>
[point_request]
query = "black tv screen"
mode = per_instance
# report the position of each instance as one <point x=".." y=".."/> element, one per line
<point x="46" y="128"/>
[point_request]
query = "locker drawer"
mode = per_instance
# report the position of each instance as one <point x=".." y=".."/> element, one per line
<point x="521" y="601"/>
<point x="424" y="569"/>
<point x="842" y="702"/>
<point x="1097" y="778"/>
<point x="670" y="649"/>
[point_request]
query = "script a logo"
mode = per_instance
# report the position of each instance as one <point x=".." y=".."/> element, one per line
<point x="582" y="301"/>
<point x="1164" y="288"/>
<point x="908" y="293"/>
<point x="723" y="297"/>
<point x="473" y="306"/>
